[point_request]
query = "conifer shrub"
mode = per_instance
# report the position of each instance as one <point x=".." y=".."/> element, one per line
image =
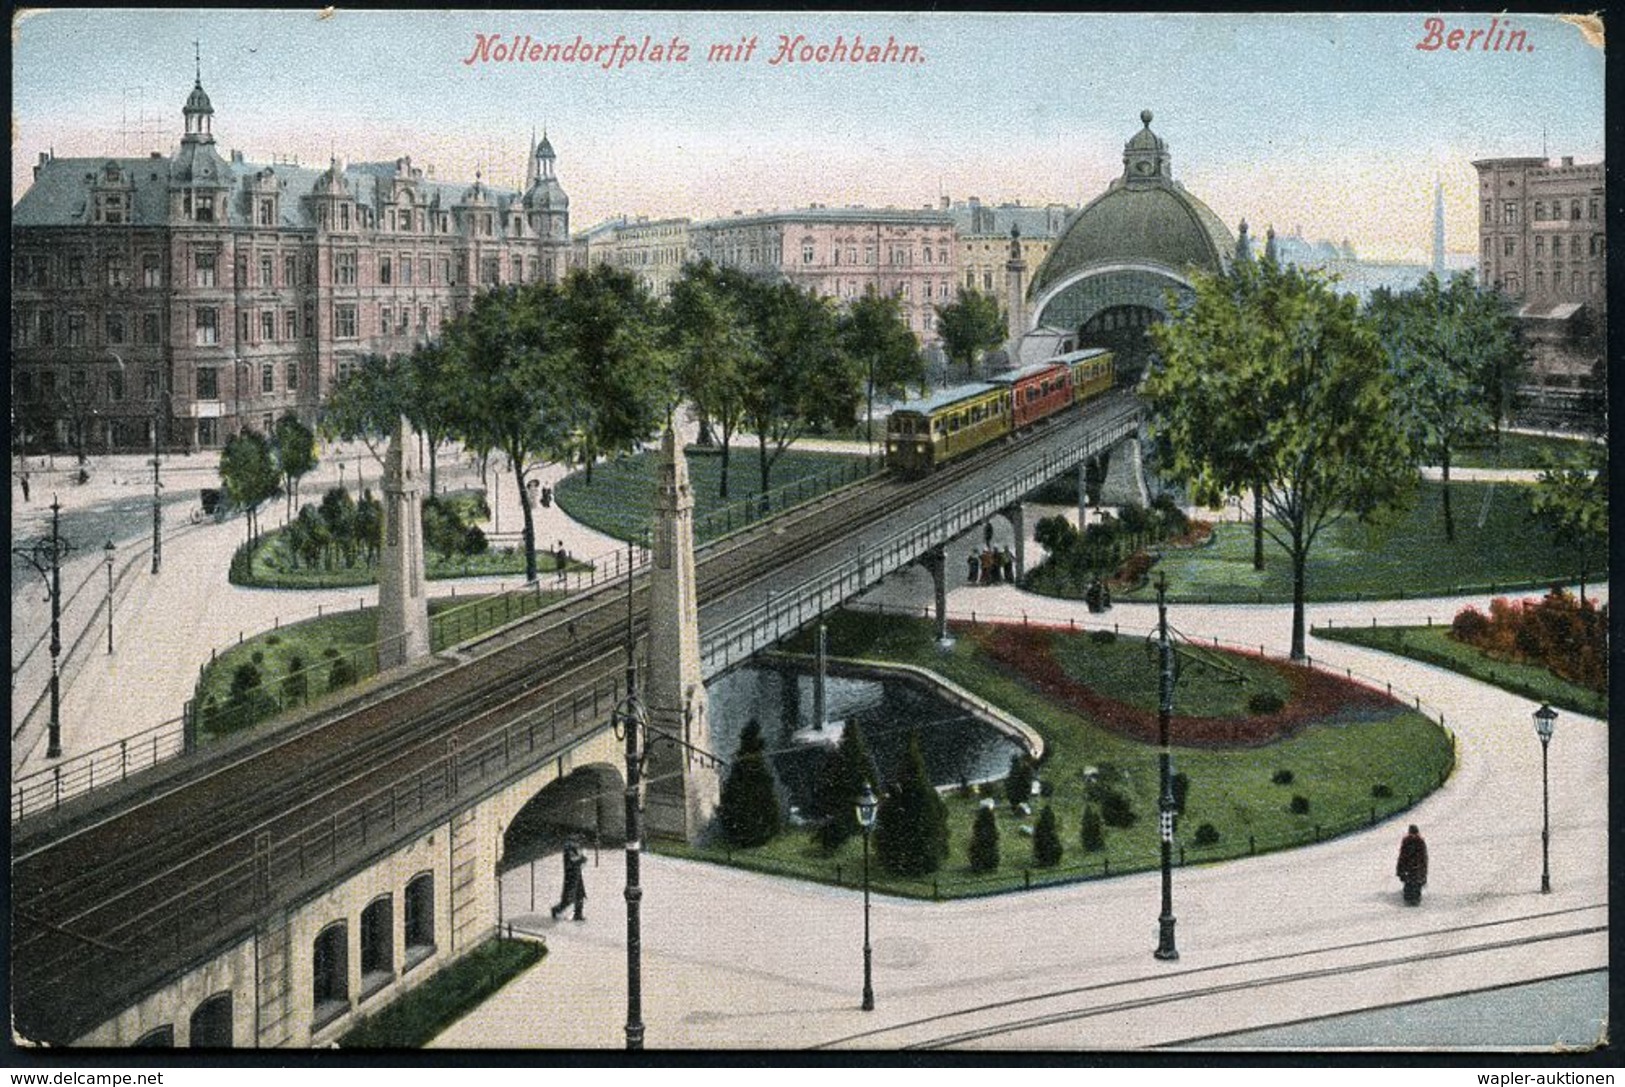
<point x="749" y="807"/>
<point x="984" y="842"/>
<point x="1207" y="834"/>
<point x="1046" y="840"/>
<point x="1282" y="777"/>
<point x="911" y="832"/>
<point x="1299" y="805"/>
<point x="1093" y="837"/>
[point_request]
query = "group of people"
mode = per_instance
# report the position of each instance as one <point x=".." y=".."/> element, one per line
<point x="990" y="566"/>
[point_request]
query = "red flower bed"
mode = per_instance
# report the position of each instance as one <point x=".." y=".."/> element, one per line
<point x="1314" y="697"/>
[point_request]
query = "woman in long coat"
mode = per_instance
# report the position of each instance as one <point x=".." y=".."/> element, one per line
<point x="1412" y="869"/>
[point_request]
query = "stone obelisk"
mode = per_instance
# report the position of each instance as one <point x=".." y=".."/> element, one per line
<point x="683" y="778"/>
<point x="403" y="605"/>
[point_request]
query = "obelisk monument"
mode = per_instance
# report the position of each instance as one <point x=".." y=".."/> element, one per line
<point x="403" y="605"/>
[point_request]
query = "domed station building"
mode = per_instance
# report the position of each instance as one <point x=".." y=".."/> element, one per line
<point x="1107" y="278"/>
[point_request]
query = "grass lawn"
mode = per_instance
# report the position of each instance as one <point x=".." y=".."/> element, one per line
<point x="306" y="660"/>
<point x="1335" y="766"/>
<point x="617" y="502"/>
<point x="1516" y="451"/>
<point x="1434" y="645"/>
<point x="416" y="1018"/>
<point x="1498" y="545"/>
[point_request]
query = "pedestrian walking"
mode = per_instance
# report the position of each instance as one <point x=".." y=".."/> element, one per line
<point x="559" y="559"/>
<point x="971" y="567"/>
<point x="24" y="480"/>
<point x="575" y="888"/>
<point x="1412" y="869"/>
<point x="987" y="566"/>
<point x="1007" y="559"/>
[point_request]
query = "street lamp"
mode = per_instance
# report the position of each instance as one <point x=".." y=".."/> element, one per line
<point x="1545" y="724"/>
<point x="1166" y="948"/>
<point x="866" y="819"/>
<point x="109" y="550"/>
<point x="630" y="716"/>
<point x="45" y="556"/>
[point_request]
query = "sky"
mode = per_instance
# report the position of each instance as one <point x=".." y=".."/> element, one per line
<point x="1337" y="124"/>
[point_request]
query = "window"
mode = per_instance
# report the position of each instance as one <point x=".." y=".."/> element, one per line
<point x="1557" y="280"/>
<point x="344" y="216"/>
<point x="267" y="326"/>
<point x="1540" y="281"/>
<point x="1509" y="211"/>
<point x="204" y="206"/>
<point x="1574" y="210"/>
<point x="490" y="268"/>
<point x="290" y="324"/>
<point x="344" y="269"/>
<point x="406" y="270"/>
<point x="384" y="269"/>
<point x="150" y="333"/>
<point x="445" y="271"/>
<point x="118" y="272"/>
<point x="203" y="266"/>
<point x="377" y="945"/>
<point x="406" y="319"/>
<point x="1596" y="246"/>
<point x="310" y="320"/>
<point x="330" y="974"/>
<point x="152" y="270"/>
<point x="267" y="212"/>
<point x="292" y="376"/>
<point x="33" y="270"/>
<point x="928" y="254"/>
<point x="516" y="270"/>
<point x="419" y="918"/>
<point x="344" y="322"/>
<point x="115" y="328"/>
<point x="211" y="1023"/>
<point x="207" y="326"/>
<point x="423" y="318"/>
<point x="1540" y="211"/>
<point x="806" y="252"/>
<point x="25" y="385"/>
<point x="385" y="315"/>
<point x="208" y="433"/>
<point x="1540" y="245"/>
<point x="76" y="330"/>
<point x="208" y="383"/>
<point x="290" y="271"/>
<point x="242" y="325"/>
<point x="73" y="272"/>
<point x="1591" y="212"/>
<point x="267" y="379"/>
<point x="149" y="383"/>
<point x="47" y="385"/>
<point x="425" y="270"/>
<point x="1509" y="247"/>
<point x="406" y="219"/>
<point x="1557" y="245"/>
<point x="987" y="281"/>
<point x="115" y="385"/>
<point x="868" y="254"/>
<point x="267" y="271"/>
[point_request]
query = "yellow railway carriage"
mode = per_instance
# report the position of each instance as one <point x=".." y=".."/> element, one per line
<point x="946" y="424"/>
<point x="1092" y="371"/>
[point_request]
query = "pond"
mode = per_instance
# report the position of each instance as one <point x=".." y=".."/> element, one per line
<point x="958" y="747"/>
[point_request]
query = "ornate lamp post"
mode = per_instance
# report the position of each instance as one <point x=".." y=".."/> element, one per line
<point x="157" y="489"/>
<point x="1545" y="724"/>
<point x="108" y="548"/>
<point x="1166" y="948"/>
<point x="867" y="804"/>
<point x="45" y="556"/>
<point x="630" y="716"/>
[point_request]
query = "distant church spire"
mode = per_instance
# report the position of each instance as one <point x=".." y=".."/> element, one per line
<point x="1438" y="227"/>
<point x="1270" y="254"/>
<point x="1244" y="244"/>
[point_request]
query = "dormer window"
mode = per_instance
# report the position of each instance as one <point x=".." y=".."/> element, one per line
<point x="267" y="212"/>
<point x="406" y="219"/>
<point x="203" y="206"/>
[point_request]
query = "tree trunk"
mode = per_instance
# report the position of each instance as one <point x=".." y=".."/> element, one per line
<point x="434" y="474"/>
<point x="761" y="457"/>
<point x="530" y="523"/>
<point x="1449" y="516"/>
<point x="1258" y="526"/>
<point x="727" y="448"/>
<point x="1300" y="560"/>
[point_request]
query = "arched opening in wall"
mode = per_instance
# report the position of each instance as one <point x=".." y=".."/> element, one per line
<point x="589" y="805"/>
<point x="157" y="1038"/>
<point x="418" y="919"/>
<point x="1125" y="331"/>
<point x="211" y="1023"/>
<point x="330" y="974"/>
<point x="377" y="945"/>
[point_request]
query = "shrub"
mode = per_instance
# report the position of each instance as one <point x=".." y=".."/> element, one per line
<point x="1094" y="839"/>
<point x="911" y="837"/>
<point x="984" y="842"/>
<point x="1282" y="777"/>
<point x="1116" y="809"/>
<point x="1265" y="702"/>
<point x="1207" y="834"/>
<point x="749" y="808"/>
<point x="1381" y="791"/>
<point x="1299" y="805"/>
<point x="330" y="652"/>
<point x="1046" y="840"/>
<point x="1470" y="625"/>
<point x="341" y="674"/>
<point x="273" y="639"/>
<point x="244" y="679"/>
<point x="258" y="656"/>
<point x="1018" y="786"/>
<point x="837" y="786"/>
<point x="1103" y="637"/>
<point x="294" y="684"/>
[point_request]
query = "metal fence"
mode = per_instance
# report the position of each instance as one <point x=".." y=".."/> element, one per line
<point x="45" y="790"/>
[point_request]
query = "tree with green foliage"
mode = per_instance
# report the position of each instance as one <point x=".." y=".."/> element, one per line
<point x="1440" y="342"/>
<point x="1570" y="501"/>
<point x="838" y="785"/>
<point x="874" y="334"/>
<point x="249" y="474"/>
<point x="294" y="446"/>
<point x="519" y="395"/>
<point x="749" y="808"/>
<point x="1093" y="835"/>
<point x="622" y="373"/>
<point x="970" y="326"/>
<point x="369" y="525"/>
<point x="1279" y="350"/>
<point x="911" y="838"/>
<point x="1047" y="847"/>
<point x="984" y="841"/>
<point x="1018" y="784"/>
<point x="442" y="529"/>
<point x="799" y="378"/>
<point x="338" y="513"/>
<point x="709" y="332"/>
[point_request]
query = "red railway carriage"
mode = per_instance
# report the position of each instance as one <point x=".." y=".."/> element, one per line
<point x="1036" y="391"/>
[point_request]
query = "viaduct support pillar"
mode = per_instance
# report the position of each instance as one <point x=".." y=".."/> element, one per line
<point x="937" y="562"/>
<point x="1083" y="496"/>
<point x="1015" y="514"/>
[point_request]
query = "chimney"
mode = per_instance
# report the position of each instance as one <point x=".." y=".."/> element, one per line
<point x="155" y="154"/>
<point x="236" y="157"/>
<point x="1568" y="160"/>
<point x="945" y="204"/>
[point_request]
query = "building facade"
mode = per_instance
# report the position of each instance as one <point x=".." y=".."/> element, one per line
<point x="983" y="231"/>
<point x="843" y="252"/>
<point x="654" y="250"/>
<point x="183" y="299"/>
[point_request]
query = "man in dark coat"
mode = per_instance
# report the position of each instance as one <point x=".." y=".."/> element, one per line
<point x="575" y="889"/>
<point x="1412" y="869"/>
